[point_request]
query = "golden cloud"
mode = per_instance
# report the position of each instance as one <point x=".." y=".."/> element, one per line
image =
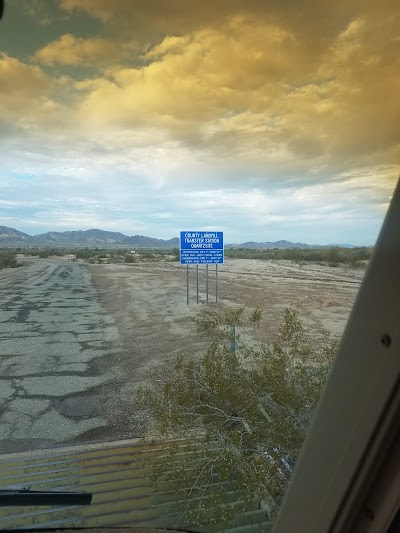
<point x="24" y="90"/>
<point x="199" y="77"/>
<point x="293" y="102"/>
<point x="29" y="98"/>
<point x="74" y="51"/>
<point x="314" y="21"/>
<point x="156" y="17"/>
<point x="18" y="79"/>
<point x="251" y="80"/>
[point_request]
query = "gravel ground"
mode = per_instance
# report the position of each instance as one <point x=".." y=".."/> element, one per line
<point x="148" y="304"/>
<point x="76" y="340"/>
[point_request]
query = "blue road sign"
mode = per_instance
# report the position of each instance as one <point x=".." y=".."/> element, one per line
<point x="201" y="247"/>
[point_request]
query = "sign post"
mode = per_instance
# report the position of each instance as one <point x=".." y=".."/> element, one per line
<point x="207" y="283"/>
<point x="187" y="284"/>
<point x="216" y="283"/>
<point x="197" y="283"/>
<point x="201" y="248"/>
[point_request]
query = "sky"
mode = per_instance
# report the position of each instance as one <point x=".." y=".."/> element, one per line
<point x="265" y="119"/>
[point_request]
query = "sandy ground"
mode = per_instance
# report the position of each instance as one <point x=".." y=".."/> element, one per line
<point x="76" y="340"/>
<point x="148" y="305"/>
<point x="148" y="301"/>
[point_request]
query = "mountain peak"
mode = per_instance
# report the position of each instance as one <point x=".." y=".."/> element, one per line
<point x="7" y="233"/>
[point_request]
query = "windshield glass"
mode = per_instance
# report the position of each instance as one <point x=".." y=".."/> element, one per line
<point x="190" y="195"/>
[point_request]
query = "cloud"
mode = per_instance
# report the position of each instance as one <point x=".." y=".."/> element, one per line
<point x="206" y="113"/>
<point x="158" y="191"/>
<point x="73" y="51"/>
<point x="155" y="18"/>
<point x="190" y="82"/>
<point x="264" y="86"/>
<point x="37" y="10"/>
<point x="253" y="89"/>
<point x="17" y="78"/>
<point x="25" y="91"/>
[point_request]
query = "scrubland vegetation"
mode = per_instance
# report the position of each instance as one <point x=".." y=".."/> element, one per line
<point x="240" y="412"/>
<point x="100" y="255"/>
<point x="333" y="256"/>
<point x="8" y="260"/>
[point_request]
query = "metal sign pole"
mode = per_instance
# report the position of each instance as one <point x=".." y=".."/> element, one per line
<point x="197" y="281"/>
<point x="233" y="340"/>
<point x="187" y="284"/>
<point x="216" y="283"/>
<point x="207" y="282"/>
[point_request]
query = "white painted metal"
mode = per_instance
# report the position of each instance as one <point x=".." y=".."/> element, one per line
<point x="353" y="416"/>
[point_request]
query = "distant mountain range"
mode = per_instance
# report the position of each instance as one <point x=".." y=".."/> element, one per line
<point x="281" y="245"/>
<point x="91" y="237"/>
<point x="269" y="245"/>
<point x="97" y="237"/>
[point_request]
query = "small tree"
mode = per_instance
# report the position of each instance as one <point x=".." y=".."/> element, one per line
<point x="241" y="416"/>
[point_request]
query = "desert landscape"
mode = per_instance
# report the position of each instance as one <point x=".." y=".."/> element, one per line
<point x="77" y="339"/>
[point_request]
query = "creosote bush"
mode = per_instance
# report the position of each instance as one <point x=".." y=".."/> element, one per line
<point x="237" y="416"/>
<point x="8" y="260"/>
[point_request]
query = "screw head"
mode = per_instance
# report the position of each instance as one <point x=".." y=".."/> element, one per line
<point x="369" y="514"/>
<point x="386" y="340"/>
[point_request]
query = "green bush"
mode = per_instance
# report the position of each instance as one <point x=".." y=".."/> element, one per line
<point x="85" y="253"/>
<point x="241" y="413"/>
<point x="147" y="255"/>
<point x="8" y="260"/>
<point x="175" y="253"/>
<point x="43" y="254"/>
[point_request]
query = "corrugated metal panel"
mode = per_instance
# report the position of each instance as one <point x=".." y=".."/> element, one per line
<point x="116" y="474"/>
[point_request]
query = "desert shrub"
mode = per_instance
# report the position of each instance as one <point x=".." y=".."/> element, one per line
<point x="175" y="254"/>
<point x="8" y="260"/>
<point x="241" y="412"/>
<point x="85" y="253"/>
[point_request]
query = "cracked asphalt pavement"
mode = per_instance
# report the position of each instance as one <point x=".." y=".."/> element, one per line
<point x="58" y="356"/>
